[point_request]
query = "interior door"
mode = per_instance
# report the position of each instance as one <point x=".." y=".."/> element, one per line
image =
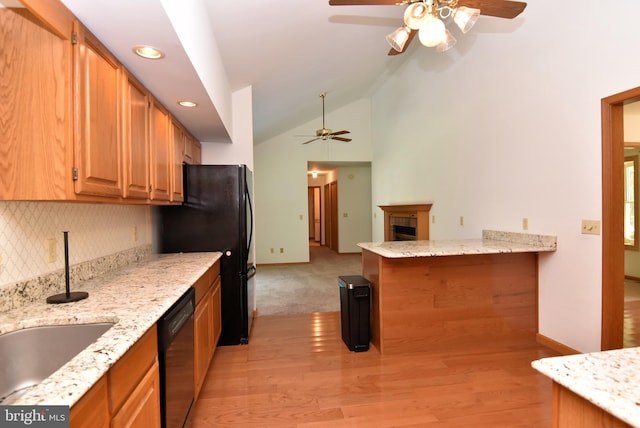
<point x="333" y="231"/>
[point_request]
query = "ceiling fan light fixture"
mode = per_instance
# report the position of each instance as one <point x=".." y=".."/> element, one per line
<point x="447" y="43"/>
<point x="414" y="14"/>
<point x="465" y="17"/>
<point x="432" y="31"/>
<point x="398" y="38"/>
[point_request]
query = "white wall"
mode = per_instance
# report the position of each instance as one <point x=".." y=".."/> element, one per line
<point x="281" y="179"/>
<point x="354" y="207"/>
<point x="507" y="127"/>
<point x="240" y="151"/>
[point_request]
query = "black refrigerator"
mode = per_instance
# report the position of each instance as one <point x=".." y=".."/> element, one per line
<point x="217" y="215"/>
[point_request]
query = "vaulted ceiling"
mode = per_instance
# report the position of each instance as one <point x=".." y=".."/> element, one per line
<point x="289" y="51"/>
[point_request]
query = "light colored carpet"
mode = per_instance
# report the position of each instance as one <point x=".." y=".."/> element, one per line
<point x="304" y="288"/>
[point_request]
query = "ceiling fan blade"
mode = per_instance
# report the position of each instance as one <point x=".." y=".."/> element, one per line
<point x="340" y="138"/>
<point x="498" y="8"/>
<point x="365" y="2"/>
<point x="412" y="34"/>
<point x="312" y="140"/>
<point x="339" y="132"/>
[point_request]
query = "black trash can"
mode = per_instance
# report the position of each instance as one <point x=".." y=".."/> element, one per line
<point x="355" y="303"/>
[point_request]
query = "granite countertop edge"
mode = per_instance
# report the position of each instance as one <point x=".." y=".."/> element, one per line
<point x="492" y="242"/>
<point x="133" y="298"/>
<point x="609" y="379"/>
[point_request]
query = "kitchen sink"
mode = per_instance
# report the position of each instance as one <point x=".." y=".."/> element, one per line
<point x="29" y="356"/>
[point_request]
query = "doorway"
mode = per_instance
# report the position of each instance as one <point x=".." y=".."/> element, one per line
<point x="612" y="109"/>
<point x="315" y="215"/>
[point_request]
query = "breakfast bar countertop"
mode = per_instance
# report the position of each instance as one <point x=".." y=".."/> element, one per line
<point x="492" y="242"/>
<point x="133" y="298"/>
<point x="608" y="379"/>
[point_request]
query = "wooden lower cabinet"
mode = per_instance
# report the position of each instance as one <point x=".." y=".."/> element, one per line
<point x="207" y="323"/>
<point x="92" y="410"/>
<point x="216" y="312"/>
<point x="128" y="395"/>
<point x="142" y="407"/>
<point x="203" y="340"/>
<point x="570" y="411"/>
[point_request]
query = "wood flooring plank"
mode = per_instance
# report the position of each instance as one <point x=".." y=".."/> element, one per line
<point x="296" y="372"/>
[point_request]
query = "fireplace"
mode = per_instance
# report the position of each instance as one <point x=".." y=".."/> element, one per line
<point x="406" y="222"/>
<point x="403" y="228"/>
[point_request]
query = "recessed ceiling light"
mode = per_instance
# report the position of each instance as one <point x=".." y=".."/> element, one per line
<point x="187" y="104"/>
<point x="148" y="52"/>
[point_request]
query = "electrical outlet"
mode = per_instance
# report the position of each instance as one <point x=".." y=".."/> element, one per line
<point x="301" y="217"/>
<point x="590" y="227"/>
<point x="525" y="224"/>
<point x="345" y="215"/>
<point x="51" y="250"/>
<point x="281" y="250"/>
<point x="134" y="234"/>
<point x="271" y="251"/>
<point x="433" y="219"/>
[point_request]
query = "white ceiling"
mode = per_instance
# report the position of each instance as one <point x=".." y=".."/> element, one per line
<point x="289" y="51"/>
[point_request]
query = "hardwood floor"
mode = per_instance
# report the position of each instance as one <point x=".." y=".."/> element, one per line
<point x="297" y="372"/>
<point x="631" y="336"/>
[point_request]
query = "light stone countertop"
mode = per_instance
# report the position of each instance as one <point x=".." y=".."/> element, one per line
<point x="608" y="379"/>
<point x="492" y="242"/>
<point x="133" y="298"/>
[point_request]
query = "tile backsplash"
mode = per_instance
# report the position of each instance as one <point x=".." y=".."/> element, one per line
<point x="95" y="230"/>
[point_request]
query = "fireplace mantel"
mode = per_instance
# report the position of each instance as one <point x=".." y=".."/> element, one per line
<point x="394" y="214"/>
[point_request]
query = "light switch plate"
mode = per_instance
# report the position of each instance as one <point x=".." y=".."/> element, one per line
<point x="591" y="227"/>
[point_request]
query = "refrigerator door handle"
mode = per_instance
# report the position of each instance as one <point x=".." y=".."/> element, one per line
<point x="251" y="272"/>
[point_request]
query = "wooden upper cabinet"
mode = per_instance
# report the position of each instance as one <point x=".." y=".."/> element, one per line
<point x="35" y="104"/>
<point x="135" y="147"/>
<point x="196" y="157"/>
<point x="192" y="150"/>
<point x="178" y="142"/>
<point x="160" y="150"/>
<point x="98" y="119"/>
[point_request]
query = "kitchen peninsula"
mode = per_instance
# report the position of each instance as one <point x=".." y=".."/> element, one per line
<point x="434" y="295"/>
<point x="595" y="389"/>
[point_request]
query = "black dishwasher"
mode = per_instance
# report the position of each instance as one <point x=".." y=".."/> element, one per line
<point x="175" y="354"/>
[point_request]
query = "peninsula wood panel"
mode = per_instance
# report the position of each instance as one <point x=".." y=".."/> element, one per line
<point x="570" y="410"/>
<point x="435" y="303"/>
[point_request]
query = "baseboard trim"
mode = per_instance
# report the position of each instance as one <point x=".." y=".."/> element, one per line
<point x="555" y="345"/>
<point x="282" y="264"/>
<point x="631" y="277"/>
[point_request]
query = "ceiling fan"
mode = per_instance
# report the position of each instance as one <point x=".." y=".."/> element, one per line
<point x="325" y="133"/>
<point x="423" y="17"/>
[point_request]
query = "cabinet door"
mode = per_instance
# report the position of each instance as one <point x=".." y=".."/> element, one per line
<point x="135" y="125"/>
<point x="160" y="149"/>
<point x="92" y="410"/>
<point x="178" y="143"/>
<point x="35" y="112"/>
<point x="196" y="152"/>
<point x="216" y="313"/>
<point x="98" y="164"/>
<point x="142" y="408"/>
<point x="203" y="340"/>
